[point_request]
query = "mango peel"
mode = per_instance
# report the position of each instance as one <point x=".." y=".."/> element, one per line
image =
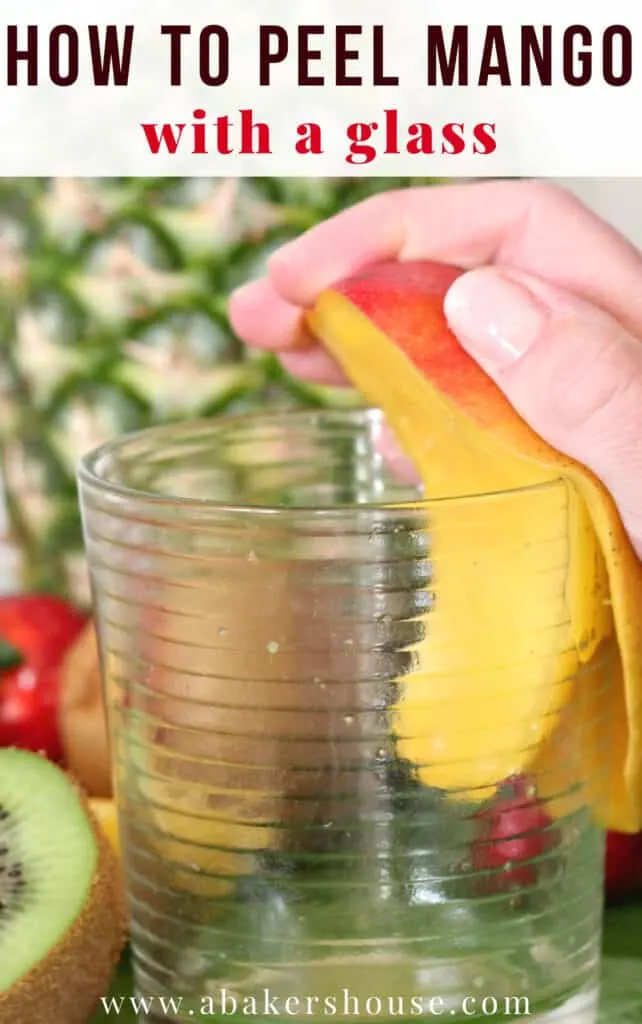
<point x="511" y="638"/>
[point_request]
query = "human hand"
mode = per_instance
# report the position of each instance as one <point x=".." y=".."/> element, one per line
<point x="551" y="308"/>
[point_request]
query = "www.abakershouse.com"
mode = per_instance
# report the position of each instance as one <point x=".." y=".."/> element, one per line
<point x="341" y="1005"/>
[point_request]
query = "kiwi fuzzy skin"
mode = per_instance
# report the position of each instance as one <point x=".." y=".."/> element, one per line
<point x="67" y="984"/>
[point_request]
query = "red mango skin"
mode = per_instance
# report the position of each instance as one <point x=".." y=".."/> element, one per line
<point x="511" y="833"/>
<point x="405" y="301"/>
<point x="623" y="867"/>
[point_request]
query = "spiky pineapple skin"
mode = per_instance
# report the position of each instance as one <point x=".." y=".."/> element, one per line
<point x="113" y="297"/>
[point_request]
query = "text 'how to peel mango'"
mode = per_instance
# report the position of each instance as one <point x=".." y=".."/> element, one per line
<point x="531" y="586"/>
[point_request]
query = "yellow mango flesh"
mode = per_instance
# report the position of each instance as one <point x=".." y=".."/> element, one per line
<point x="225" y="726"/>
<point x="104" y="810"/>
<point x="532" y="588"/>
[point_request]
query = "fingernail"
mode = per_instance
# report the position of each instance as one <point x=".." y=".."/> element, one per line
<point x="495" y="318"/>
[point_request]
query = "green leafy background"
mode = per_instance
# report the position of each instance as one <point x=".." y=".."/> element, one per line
<point x="621" y="975"/>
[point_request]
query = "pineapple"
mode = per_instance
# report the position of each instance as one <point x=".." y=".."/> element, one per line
<point x="113" y="301"/>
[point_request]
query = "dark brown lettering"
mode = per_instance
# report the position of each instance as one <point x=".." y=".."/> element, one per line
<point x="447" y="64"/>
<point x="538" y="52"/>
<point x="307" y="54"/>
<point x="175" y="32"/>
<point x="63" y="37"/>
<point x="109" y="60"/>
<point x="379" y="76"/>
<point x="221" y="74"/>
<point x="273" y="49"/>
<point x="625" y="73"/>
<point x="572" y="75"/>
<point x="494" y="59"/>
<point x="344" y="55"/>
<point x="30" y="55"/>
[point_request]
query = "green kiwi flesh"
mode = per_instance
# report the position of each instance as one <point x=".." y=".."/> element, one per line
<point x="61" y="903"/>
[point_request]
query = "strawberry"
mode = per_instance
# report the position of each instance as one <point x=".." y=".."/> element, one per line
<point x="36" y="631"/>
<point x="511" y="833"/>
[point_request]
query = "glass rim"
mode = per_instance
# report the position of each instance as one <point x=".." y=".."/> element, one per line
<point x="89" y="473"/>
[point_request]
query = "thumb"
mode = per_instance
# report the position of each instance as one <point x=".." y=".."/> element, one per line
<point x="570" y="370"/>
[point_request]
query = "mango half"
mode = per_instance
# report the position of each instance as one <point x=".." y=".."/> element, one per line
<point x="532" y="589"/>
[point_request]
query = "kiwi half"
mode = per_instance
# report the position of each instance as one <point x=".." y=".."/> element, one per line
<point x="62" y="909"/>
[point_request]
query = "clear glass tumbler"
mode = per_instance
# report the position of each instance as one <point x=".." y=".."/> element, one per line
<point x="356" y="733"/>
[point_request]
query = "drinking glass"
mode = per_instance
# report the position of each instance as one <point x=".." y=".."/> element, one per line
<point x="355" y="731"/>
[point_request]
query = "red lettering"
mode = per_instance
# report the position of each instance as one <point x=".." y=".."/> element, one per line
<point x="391" y="126"/>
<point x="199" y="131"/>
<point x="252" y="130"/>
<point x="169" y="136"/>
<point x="485" y="141"/>
<point x="309" y="140"/>
<point x="420" y="138"/>
<point x="453" y="139"/>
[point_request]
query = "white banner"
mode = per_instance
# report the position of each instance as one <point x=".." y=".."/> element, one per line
<point x="321" y="87"/>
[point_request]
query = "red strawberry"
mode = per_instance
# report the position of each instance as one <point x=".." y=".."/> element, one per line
<point x="623" y="867"/>
<point x="36" y="631"/>
<point x="511" y="833"/>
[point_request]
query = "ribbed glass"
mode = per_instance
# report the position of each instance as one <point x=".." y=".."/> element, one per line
<point x="353" y="730"/>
